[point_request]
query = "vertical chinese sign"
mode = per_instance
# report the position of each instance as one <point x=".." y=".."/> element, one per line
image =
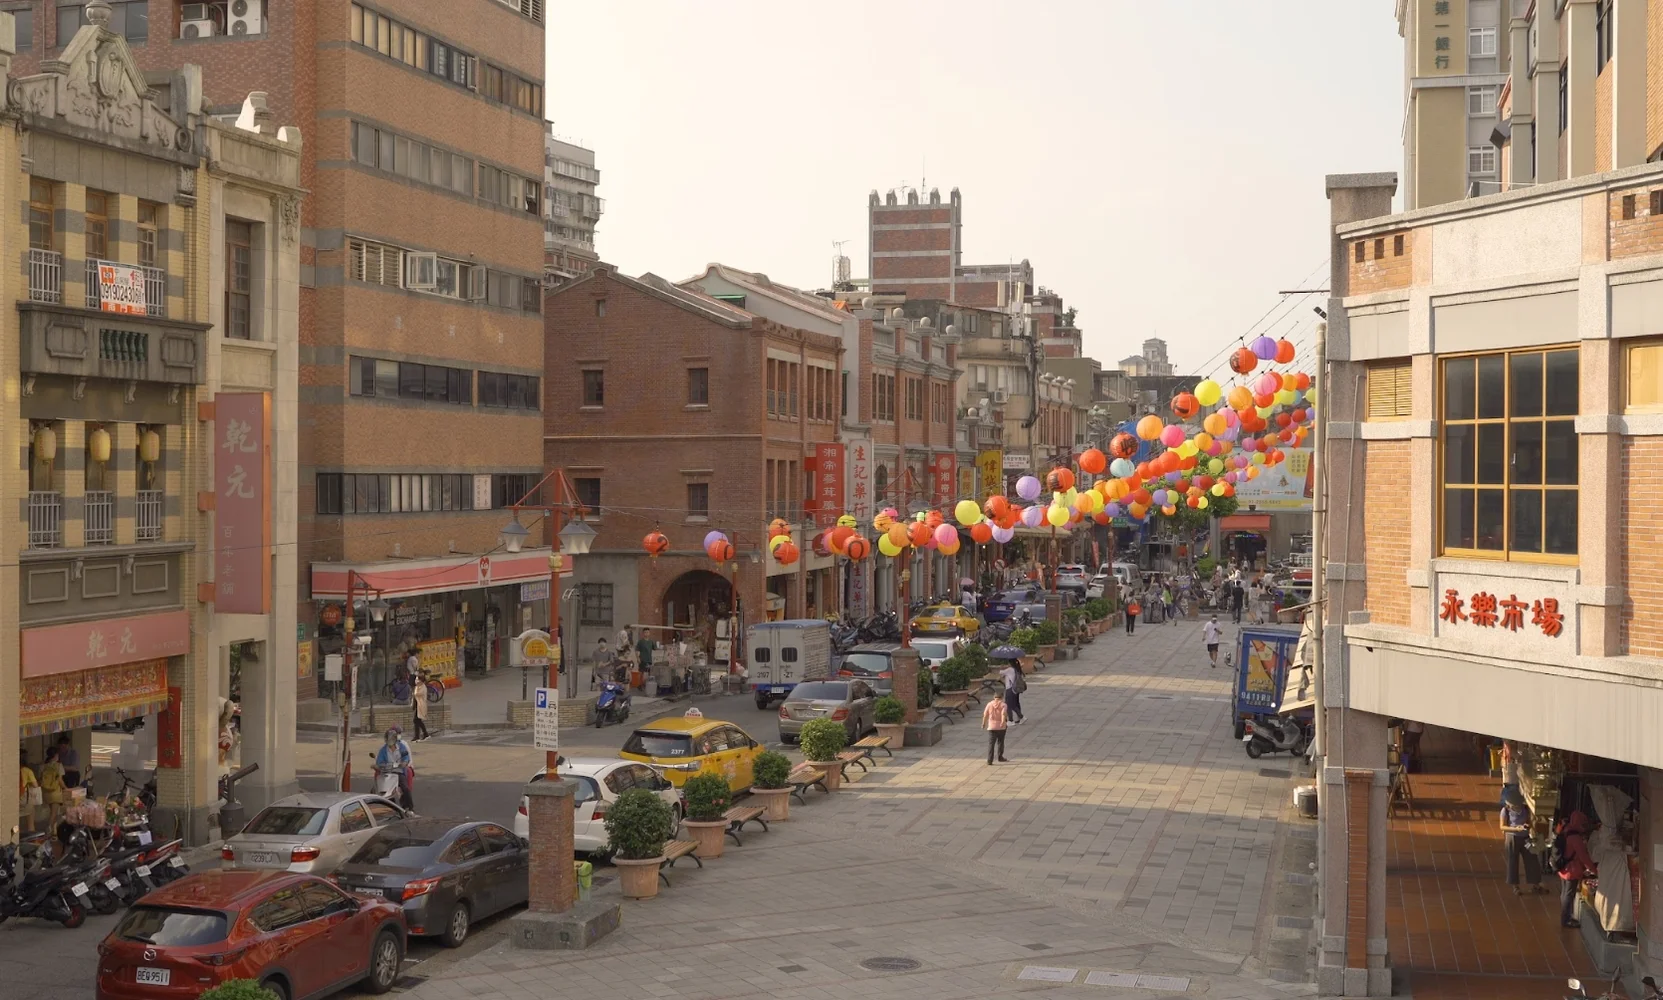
<point x="860" y="464"/>
<point x="990" y="469"/>
<point x="242" y="510"/>
<point x="943" y="471"/>
<point x="827" y="502"/>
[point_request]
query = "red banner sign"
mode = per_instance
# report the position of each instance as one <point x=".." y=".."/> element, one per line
<point x="169" y="747"/>
<point x="242" y="517"/>
<point x="827" y="502"/>
<point x="943" y="472"/>
<point x="62" y="649"/>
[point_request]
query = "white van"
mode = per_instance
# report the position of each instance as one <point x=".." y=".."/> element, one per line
<point x="785" y="654"/>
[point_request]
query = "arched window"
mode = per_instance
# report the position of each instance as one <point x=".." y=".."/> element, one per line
<point x="881" y="479"/>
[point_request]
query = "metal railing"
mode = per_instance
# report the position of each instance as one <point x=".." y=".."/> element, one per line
<point x="45" y="275"/>
<point x="148" y="512"/>
<point x="46" y="519"/>
<point x="100" y="517"/>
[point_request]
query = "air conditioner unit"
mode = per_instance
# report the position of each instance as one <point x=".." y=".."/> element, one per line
<point x="1001" y="396"/>
<point x="247" y="17"/>
<point x="194" y="21"/>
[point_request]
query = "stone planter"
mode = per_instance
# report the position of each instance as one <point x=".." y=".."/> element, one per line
<point x="834" y="774"/>
<point x="638" y="879"/>
<point x="1030" y="663"/>
<point x="1048" y="653"/>
<point x="777" y="802"/>
<point x="709" y="836"/>
<point x="897" y="734"/>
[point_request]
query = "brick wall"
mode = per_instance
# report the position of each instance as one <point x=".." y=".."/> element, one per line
<point x="1640" y="235"/>
<point x="1357" y="788"/>
<point x="934" y="266"/>
<point x="912" y="239"/>
<point x="1386" y="263"/>
<point x="1642" y="517"/>
<point x="912" y="215"/>
<point x="1386" y="531"/>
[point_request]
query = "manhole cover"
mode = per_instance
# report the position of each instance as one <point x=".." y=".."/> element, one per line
<point x="891" y="964"/>
<point x="1271" y="772"/>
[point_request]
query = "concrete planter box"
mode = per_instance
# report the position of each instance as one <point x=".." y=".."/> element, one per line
<point x="897" y="734"/>
<point x="777" y="802"/>
<point x="924" y="734"/>
<point x="390" y="715"/>
<point x="1047" y="653"/>
<point x="709" y="835"/>
<point x="638" y="879"/>
<point x="833" y="773"/>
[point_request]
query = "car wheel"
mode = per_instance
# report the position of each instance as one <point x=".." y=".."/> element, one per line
<point x="277" y="987"/>
<point x="456" y="926"/>
<point x="675" y="820"/>
<point x="385" y="959"/>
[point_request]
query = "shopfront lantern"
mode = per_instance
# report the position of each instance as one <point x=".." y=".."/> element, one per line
<point x="1243" y="361"/>
<point x="1123" y="445"/>
<point x="150" y="446"/>
<point x="46" y="443"/>
<point x="858" y="548"/>
<point x="98" y="445"/>
<point x="1092" y="461"/>
<point x="720" y="551"/>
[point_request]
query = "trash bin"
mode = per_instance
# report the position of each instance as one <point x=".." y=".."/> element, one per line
<point x="585" y="878"/>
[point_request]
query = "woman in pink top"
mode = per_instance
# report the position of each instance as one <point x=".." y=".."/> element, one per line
<point x="994" y="718"/>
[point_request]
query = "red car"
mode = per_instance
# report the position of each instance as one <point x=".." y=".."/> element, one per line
<point x="297" y="935"/>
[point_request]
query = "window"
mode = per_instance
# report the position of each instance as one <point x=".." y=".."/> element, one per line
<point x="1390" y="388"/>
<point x="595" y="604"/>
<point x="411" y="47"/>
<point x="1602" y="34"/>
<point x="1564" y="98"/>
<point x="42" y="214"/>
<point x="410" y="380"/>
<point x="1643" y="377"/>
<point x="130" y="20"/>
<point x="392" y="493"/>
<point x="600" y="307"/>
<point x="379" y="264"/>
<point x="1481" y="42"/>
<point x="1510" y="454"/>
<point x="1656" y="206"/>
<point x="883" y="397"/>
<point x="1397" y="245"/>
<point x="515" y="392"/>
<point x="1628" y="206"/>
<point x="698" y="386"/>
<point x="239" y="279"/>
<point x="513" y="488"/>
<point x="698" y="500"/>
<point x="149" y="233"/>
<point x="327" y="494"/>
<point x="1380" y="248"/>
<point x="594" y="387"/>
<point x="98" y="225"/>
<point x="25" y="19"/>
<point x="283" y="908"/>
<point x="354" y="818"/>
<point x="588" y="492"/>
<point x="1357" y="251"/>
<point x="1481" y="159"/>
<point x="1481" y="101"/>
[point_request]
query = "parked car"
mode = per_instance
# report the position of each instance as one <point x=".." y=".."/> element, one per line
<point x="1002" y="606"/>
<point x="948" y="618"/>
<point x="1072" y="577"/>
<point x="786" y="653"/>
<point x="600" y="781"/>
<point x="708" y="745"/>
<point x="445" y="874"/>
<point x="847" y="701"/>
<point x="934" y="650"/>
<point x="296" y="935"/>
<point x="876" y="663"/>
<point x="310" y="832"/>
<point x="1130" y="577"/>
<point x="1098" y="585"/>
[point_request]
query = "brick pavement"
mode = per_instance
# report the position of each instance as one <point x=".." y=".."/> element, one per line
<point x="1129" y="835"/>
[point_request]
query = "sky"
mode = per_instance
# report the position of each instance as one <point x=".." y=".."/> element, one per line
<point x="1160" y="163"/>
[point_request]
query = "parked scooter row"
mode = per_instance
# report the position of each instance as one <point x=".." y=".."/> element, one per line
<point x="66" y="891"/>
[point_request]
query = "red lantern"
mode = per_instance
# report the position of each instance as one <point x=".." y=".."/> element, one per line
<point x="839" y="538"/>
<point x="996" y="506"/>
<point x="1185" y="405"/>
<point x="1301" y="381"/>
<point x="1060" y="480"/>
<point x="933" y="519"/>
<point x="720" y="551"/>
<point x="655" y="543"/>
<point x="1123" y="445"/>
<point x="778" y="527"/>
<point x="1142" y="496"/>
<point x="918" y="533"/>
<point x="981" y="533"/>
<point x="1284" y="352"/>
<point x="786" y="554"/>
<point x="1243" y="361"/>
<point x="1092" y="461"/>
<point x="858" y="548"/>
<point x="1264" y="398"/>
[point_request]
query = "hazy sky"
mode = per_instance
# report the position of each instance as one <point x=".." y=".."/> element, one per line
<point x="1160" y="163"/>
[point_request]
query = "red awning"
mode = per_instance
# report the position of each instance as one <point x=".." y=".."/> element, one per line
<point x="1245" y="522"/>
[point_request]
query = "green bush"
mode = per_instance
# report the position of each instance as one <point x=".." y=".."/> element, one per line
<point x="1046" y="632"/>
<point x="1205" y="565"/>
<point x="955" y="674"/>
<point x="1025" y="639"/>
<point x="823" y="739"/>
<point x="889" y="711"/>
<point x="771" y="769"/>
<point x="708" y="797"/>
<point x="638" y="824"/>
<point x="238" y="989"/>
<point x="1073" y="615"/>
<point x="926" y="687"/>
<point x="975" y="655"/>
<point x="1097" y="609"/>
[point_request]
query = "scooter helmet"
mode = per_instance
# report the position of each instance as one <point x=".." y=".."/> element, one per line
<point x="394" y="732"/>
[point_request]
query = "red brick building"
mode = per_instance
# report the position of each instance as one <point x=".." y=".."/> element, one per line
<point x="674" y="411"/>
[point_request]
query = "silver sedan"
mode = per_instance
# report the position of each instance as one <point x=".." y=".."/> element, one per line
<point x="310" y="832"/>
<point x="847" y="701"/>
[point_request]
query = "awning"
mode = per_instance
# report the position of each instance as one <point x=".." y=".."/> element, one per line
<point x="64" y="701"/>
<point x="411" y="577"/>
<point x="1244" y="522"/>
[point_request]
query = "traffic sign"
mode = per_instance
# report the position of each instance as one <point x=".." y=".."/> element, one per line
<point x="545" y="728"/>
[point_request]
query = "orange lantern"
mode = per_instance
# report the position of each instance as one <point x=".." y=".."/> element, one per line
<point x="839" y="539"/>
<point x="897" y="533"/>
<point x="933" y="519"/>
<point x="1240" y="397"/>
<point x="720" y="551"/>
<point x="996" y="506"/>
<point x="858" y="548"/>
<point x="981" y="533"/>
<point x="1060" y="480"/>
<point x="918" y="533"/>
<point x="655" y="543"/>
<point x="1284" y="351"/>
<point x="778" y="527"/>
<point x="1243" y="361"/>
<point x="1185" y="405"/>
<point x="1092" y="461"/>
<point x="1123" y="445"/>
<point x="786" y="554"/>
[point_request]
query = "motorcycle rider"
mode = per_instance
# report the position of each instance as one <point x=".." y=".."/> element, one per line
<point x="394" y="758"/>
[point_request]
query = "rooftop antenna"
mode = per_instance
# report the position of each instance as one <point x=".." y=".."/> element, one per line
<point x="841" y="270"/>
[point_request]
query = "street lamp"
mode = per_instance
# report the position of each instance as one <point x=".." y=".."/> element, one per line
<point x="577" y="538"/>
<point x="377" y="609"/>
<point x="514" y="534"/>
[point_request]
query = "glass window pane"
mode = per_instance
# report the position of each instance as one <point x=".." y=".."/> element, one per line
<point x="1489" y="520"/>
<point x="1492" y="391"/>
<point x="1526" y="525"/>
<point x="1563" y="388"/>
<point x="1458" y="453"/>
<point x="386" y="378"/>
<point x="1645" y="375"/>
<point x="1526" y="372"/>
<point x="1527" y="453"/>
<point x="1559" y="523"/>
<point x="1458" y="389"/>
<point x="1560" y="454"/>
<point x="1492" y="453"/>
<point x="1457" y="519"/>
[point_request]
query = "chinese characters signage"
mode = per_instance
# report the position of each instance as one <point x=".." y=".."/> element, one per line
<point x="57" y="649"/>
<point x="943" y="471"/>
<point x="827" y="502"/>
<point x="1442" y="32"/>
<point x="1486" y="610"/>
<point x="861" y="465"/>
<point x="990" y="471"/>
<point x="120" y="288"/>
<point x="242" y="511"/>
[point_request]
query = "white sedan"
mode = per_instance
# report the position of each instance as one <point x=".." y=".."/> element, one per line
<point x="600" y="781"/>
<point x="311" y="832"/>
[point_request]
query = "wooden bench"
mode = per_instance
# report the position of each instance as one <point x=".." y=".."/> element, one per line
<point x="738" y="816"/>
<point x="872" y="743"/>
<point x="674" y="851"/>
<point x="806" y="776"/>
<point x="947" y="705"/>
<point x="853" y="756"/>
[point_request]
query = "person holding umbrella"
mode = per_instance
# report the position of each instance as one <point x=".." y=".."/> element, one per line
<point x="1012" y="677"/>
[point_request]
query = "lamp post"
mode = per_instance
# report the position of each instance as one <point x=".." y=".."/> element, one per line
<point x="377" y="609"/>
<point x="574" y="537"/>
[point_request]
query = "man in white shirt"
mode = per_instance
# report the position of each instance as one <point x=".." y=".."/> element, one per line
<point x="1209" y="635"/>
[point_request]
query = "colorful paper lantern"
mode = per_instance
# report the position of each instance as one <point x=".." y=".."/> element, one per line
<point x="1092" y="461"/>
<point x="655" y="543"/>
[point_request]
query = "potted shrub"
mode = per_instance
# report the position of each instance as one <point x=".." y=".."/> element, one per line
<point x="891" y="717"/>
<point x="1046" y="634"/>
<point x="975" y="655"/>
<point x="238" y="989"/>
<point x="822" y="740"/>
<point x="1026" y="640"/>
<point x="955" y="676"/>
<point x="926" y="688"/>
<point x="637" y="827"/>
<point x="769" y="775"/>
<point x="708" y="798"/>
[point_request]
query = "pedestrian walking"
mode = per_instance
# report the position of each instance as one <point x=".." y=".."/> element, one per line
<point x="1236" y="598"/>
<point x="1132" y="611"/>
<point x="1515" y="836"/>
<point x="1573" y="863"/>
<point x="29" y="796"/>
<point x="1209" y="635"/>
<point x="1015" y="683"/>
<point x="1166" y="604"/>
<point x="994" y="717"/>
<point x="418" y="708"/>
<point x="1509" y="770"/>
<point x="1254" y="594"/>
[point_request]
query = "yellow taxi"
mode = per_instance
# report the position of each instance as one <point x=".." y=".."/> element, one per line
<point x="692" y="744"/>
<point x="946" y="618"/>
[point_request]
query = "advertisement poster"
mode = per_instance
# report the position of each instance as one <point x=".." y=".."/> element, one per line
<point x="1287" y="486"/>
<point x="120" y="288"/>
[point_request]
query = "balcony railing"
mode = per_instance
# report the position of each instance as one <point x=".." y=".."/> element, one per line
<point x="155" y="289"/>
<point x="46" y="519"/>
<point x="149" y="515"/>
<point x="100" y="517"/>
<point x="45" y="275"/>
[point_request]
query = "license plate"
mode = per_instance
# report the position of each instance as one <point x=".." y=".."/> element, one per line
<point x="112" y="884"/>
<point x="176" y="861"/>
<point x="152" y="977"/>
<point x="143" y="871"/>
<point x="79" y="889"/>
<point x="261" y="857"/>
<point x="1247" y="739"/>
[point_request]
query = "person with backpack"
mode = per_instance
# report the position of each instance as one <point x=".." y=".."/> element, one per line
<point x="1015" y="684"/>
<point x="1132" y="611"/>
<point x="1573" y="863"/>
<point x="1515" y="836"/>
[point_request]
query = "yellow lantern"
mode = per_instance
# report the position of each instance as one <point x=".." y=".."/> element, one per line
<point x="150" y="446"/>
<point x="98" y="445"/>
<point x="46" y="443"/>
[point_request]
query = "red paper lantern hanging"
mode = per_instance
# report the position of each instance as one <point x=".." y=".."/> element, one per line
<point x="858" y="548"/>
<point x="655" y="543"/>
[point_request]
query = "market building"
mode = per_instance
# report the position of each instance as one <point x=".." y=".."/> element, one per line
<point x="152" y="422"/>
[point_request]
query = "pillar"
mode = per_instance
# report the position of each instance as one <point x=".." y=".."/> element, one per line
<point x="1353" y="957"/>
<point x="1628" y="85"/>
<point x="1581" y="52"/>
<point x="1521" y="168"/>
<point x="553" y="883"/>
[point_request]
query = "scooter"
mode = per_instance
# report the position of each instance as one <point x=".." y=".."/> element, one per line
<point x="57" y="894"/>
<point x="1275" y="735"/>
<point x="388" y="784"/>
<point x="612" y="705"/>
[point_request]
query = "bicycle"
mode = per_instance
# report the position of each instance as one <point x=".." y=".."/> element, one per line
<point x="435" y="688"/>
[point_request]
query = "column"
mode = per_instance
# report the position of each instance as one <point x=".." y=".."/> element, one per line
<point x="1600" y="535"/>
<point x="72" y="240"/>
<point x="123" y="479"/>
<point x="71" y="471"/>
<point x="1579" y="63"/>
<point x="1521" y="166"/>
<point x="1628" y="84"/>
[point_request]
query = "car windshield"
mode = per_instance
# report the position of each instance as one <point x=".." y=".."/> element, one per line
<point x="820" y="691"/>
<point x="659" y="744"/>
<point x="1013" y="596"/>
<point x="398" y="849"/>
<point x="865" y="663"/>
<point x="168" y="927"/>
<point x="931" y="650"/>
<point x="944" y="612"/>
<point x="288" y="821"/>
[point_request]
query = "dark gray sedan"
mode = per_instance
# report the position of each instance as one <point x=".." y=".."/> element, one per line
<point x="847" y="701"/>
<point x="447" y="874"/>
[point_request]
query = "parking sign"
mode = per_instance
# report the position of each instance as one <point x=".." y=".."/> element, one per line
<point x="546" y="719"/>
